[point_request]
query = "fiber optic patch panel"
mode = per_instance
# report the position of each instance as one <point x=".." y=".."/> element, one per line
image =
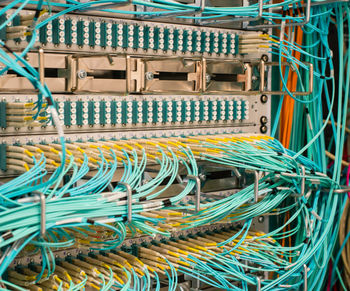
<point x="89" y="34"/>
<point x="82" y="112"/>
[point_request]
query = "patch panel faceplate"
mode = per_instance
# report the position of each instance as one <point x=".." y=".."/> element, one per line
<point x="102" y="113"/>
<point x="96" y="34"/>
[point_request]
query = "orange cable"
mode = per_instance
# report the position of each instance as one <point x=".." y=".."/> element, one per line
<point x="286" y="118"/>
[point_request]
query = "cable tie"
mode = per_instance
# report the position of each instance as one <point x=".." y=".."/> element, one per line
<point x="90" y="221"/>
<point x="316" y="215"/>
<point x="49" y="101"/>
<point x="167" y="202"/>
<point x="7" y="235"/>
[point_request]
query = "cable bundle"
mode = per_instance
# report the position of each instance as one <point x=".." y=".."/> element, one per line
<point x="299" y="193"/>
<point x="70" y="207"/>
<point x="218" y="258"/>
<point x="270" y="12"/>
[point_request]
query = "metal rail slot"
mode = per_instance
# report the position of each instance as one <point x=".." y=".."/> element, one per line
<point x="53" y="64"/>
<point x="226" y="76"/>
<point x="107" y="74"/>
<point x="171" y="75"/>
<point x="48" y="73"/>
<point x="104" y="73"/>
<point x="131" y="74"/>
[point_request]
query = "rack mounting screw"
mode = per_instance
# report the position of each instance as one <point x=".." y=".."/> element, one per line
<point x="263" y="119"/>
<point x="149" y="76"/>
<point x="82" y="74"/>
<point x="207" y="78"/>
<point x="263" y="98"/>
<point x="263" y="129"/>
<point x="265" y="58"/>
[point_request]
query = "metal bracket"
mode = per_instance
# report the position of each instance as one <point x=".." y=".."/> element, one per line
<point x="305" y="277"/>
<point x="305" y="21"/>
<point x="200" y="11"/>
<point x="258" y="286"/>
<point x="256" y="186"/>
<point x="198" y="190"/>
<point x="238" y="19"/>
<point x="341" y="190"/>
<point x="238" y="176"/>
<point x="302" y="184"/>
<point x="106" y="6"/>
<point x="41" y="66"/>
<point x="110" y="187"/>
<point x="42" y="200"/>
<point x="210" y="67"/>
<point x="179" y="179"/>
<point x="129" y="199"/>
<point x="180" y="13"/>
<point x="307" y="229"/>
<point x="262" y="79"/>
